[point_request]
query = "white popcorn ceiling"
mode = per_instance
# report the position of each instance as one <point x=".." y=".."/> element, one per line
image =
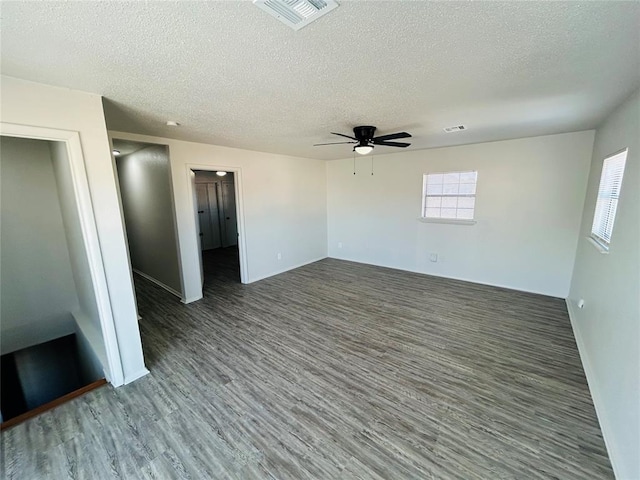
<point x="232" y="75"/>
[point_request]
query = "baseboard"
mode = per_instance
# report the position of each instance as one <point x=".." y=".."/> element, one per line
<point x="292" y="267"/>
<point x="190" y="300"/>
<point x="461" y="279"/>
<point x="595" y="393"/>
<point x="158" y="283"/>
<point x="135" y="376"/>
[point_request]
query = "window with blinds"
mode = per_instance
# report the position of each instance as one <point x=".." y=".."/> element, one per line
<point x="450" y="195"/>
<point x="608" y="195"/>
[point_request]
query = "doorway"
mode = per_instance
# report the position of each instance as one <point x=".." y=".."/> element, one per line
<point x="143" y="175"/>
<point x="217" y="216"/>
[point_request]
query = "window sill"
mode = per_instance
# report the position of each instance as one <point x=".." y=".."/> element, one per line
<point x="598" y="246"/>
<point x="452" y="221"/>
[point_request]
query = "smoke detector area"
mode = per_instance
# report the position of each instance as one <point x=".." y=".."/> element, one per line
<point x="455" y="128"/>
<point x="296" y="13"/>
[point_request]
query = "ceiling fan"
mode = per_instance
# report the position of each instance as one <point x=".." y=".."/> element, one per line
<point x="363" y="137"/>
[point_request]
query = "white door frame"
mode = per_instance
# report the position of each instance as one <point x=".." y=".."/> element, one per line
<point x="82" y="196"/>
<point x="237" y="183"/>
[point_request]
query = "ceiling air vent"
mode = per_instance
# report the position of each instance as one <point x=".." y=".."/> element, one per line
<point x="296" y="13"/>
<point x="455" y="128"/>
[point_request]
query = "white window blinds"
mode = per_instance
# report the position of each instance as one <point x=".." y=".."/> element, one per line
<point x="608" y="194"/>
<point x="450" y="195"/>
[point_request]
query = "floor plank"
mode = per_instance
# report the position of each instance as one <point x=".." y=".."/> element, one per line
<point x="332" y="370"/>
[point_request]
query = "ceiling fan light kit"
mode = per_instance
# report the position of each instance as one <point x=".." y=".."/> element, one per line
<point x="363" y="137"/>
<point x="363" y="149"/>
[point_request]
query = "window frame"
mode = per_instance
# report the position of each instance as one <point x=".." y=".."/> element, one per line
<point x="603" y="220"/>
<point x="457" y="221"/>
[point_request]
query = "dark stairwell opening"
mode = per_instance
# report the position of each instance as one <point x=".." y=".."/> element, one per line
<point x="36" y="378"/>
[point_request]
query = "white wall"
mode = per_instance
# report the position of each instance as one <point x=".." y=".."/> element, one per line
<point x="86" y="315"/>
<point x="37" y="288"/>
<point x="33" y="104"/>
<point x="528" y="209"/>
<point x="147" y="202"/>
<point x="283" y="198"/>
<point x="90" y="366"/>
<point x="608" y="327"/>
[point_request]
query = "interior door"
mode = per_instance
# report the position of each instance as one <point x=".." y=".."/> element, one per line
<point x="207" y="239"/>
<point x="214" y="216"/>
<point x="230" y="221"/>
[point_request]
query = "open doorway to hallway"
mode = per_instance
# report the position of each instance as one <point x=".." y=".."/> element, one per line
<point x="146" y="196"/>
<point x="218" y="225"/>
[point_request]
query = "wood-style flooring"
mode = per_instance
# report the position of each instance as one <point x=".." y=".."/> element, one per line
<point x="335" y="370"/>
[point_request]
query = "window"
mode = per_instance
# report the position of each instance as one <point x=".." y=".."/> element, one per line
<point x="608" y="194"/>
<point x="450" y="195"/>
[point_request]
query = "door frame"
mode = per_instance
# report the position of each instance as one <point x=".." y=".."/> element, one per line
<point x="82" y="196"/>
<point x="240" y="220"/>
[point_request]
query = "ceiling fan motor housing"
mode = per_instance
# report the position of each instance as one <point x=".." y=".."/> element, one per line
<point x="365" y="140"/>
<point x="364" y="134"/>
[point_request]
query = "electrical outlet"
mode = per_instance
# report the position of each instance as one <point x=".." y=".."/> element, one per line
<point x="433" y="257"/>
<point x="339" y="244"/>
<point x="279" y="256"/>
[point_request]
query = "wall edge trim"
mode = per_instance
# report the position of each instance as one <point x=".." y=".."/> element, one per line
<point x="135" y="376"/>
<point x="460" y="279"/>
<point x="191" y="299"/>
<point x="284" y="270"/>
<point x="158" y="283"/>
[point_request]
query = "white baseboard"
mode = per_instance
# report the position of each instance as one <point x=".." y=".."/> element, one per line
<point x="607" y="435"/>
<point x="159" y="283"/>
<point x="432" y="274"/>
<point x="292" y="267"/>
<point x="192" y="299"/>
<point x="135" y="376"/>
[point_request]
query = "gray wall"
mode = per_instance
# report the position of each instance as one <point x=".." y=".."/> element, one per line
<point x="37" y="290"/>
<point x="608" y="327"/>
<point x="147" y="203"/>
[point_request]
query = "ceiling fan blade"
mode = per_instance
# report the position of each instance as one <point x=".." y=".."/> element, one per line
<point x="345" y="136"/>
<point x="332" y="143"/>
<point x="392" y="144"/>
<point x="391" y="136"/>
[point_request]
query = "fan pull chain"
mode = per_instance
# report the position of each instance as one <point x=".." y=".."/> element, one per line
<point x="372" y="163"/>
<point x="354" y="162"/>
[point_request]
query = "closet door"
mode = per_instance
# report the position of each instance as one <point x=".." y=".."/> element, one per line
<point x="214" y="215"/>
<point x="230" y="233"/>
<point x="209" y="226"/>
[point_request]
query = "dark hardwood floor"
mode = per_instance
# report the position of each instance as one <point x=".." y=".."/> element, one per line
<point x="335" y="370"/>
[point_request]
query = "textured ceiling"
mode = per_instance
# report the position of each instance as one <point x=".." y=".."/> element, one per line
<point x="232" y="75"/>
